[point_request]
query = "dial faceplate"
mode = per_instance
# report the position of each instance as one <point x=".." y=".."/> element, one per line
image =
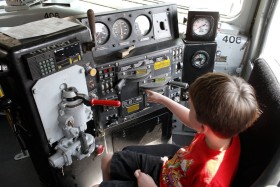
<point x="121" y="29"/>
<point x="102" y="33"/>
<point x="142" y="25"/>
<point x="201" y="26"/>
<point x="200" y="59"/>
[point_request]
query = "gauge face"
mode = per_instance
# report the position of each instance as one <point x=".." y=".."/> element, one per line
<point x="102" y="33"/>
<point x="201" y="26"/>
<point x="142" y="25"/>
<point x="200" y="59"/>
<point x="121" y="29"/>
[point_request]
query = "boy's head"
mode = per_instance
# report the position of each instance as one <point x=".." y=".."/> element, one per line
<point x="227" y="104"/>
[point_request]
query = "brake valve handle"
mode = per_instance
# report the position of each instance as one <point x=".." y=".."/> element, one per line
<point x="115" y="103"/>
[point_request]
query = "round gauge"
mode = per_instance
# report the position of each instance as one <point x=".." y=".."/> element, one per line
<point x="200" y="59"/>
<point x="142" y="25"/>
<point x="101" y="33"/>
<point x="121" y="29"/>
<point x="201" y="26"/>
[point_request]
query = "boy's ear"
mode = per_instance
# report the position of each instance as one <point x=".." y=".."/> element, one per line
<point x="205" y="128"/>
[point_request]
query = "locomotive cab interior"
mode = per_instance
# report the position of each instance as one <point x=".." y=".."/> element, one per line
<point x="74" y="91"/>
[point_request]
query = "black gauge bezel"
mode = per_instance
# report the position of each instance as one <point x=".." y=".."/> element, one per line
<point x="212" y="17"/>
<point x="200" y="52"/>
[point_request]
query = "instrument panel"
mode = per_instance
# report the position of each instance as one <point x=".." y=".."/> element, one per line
<point x="142" y="26"/>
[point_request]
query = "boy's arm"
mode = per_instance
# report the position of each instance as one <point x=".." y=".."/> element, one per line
<point x="144" y="180"/>
<point x="180" y="111"/>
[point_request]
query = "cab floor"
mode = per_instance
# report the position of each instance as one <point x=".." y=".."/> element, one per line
<point x="14" y="172"/>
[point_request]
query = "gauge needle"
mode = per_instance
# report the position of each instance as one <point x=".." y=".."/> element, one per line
<point x="200" y="26"/>
<point x="121" y="32"/>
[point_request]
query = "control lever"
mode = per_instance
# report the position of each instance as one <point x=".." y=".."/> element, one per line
<point x="105" y="102"/>
<point x="184" y="86"/>
<point x="87" y="100"/>
<point x="91" y="21"/>
<point x="120" y="85"/>
<point x="124" y="52"/>
<point x="179" y="84"/>
<point x="91" y="102"/>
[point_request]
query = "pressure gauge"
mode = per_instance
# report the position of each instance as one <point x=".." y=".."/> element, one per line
<point x="200" y="59"/>
<point x="202" y="25"/>
<point x="102" y="33"/>
<point x="121" y="29"/>
<point x="142" y="25"/>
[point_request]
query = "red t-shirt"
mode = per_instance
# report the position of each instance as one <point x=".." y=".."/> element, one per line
<point x="197" y="165"/>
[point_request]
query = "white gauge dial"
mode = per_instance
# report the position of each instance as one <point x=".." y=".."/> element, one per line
<point x="142" y="25"/>
<point x="102" y="33"/>
<point x="201" y="26"/>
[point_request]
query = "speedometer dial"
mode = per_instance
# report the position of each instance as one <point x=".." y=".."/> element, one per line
<point x="102" y="33"/>
<point x="121" y="29"/>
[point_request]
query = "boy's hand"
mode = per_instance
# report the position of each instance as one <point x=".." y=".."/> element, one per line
<point x="144" y="180"/>
<point x="154" y="97"/>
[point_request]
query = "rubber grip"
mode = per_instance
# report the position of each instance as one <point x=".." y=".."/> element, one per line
<point x="105" y="102"/>
<point x="91" y="22"/>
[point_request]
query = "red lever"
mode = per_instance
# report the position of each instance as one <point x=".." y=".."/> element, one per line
<point x="105" y="102"/>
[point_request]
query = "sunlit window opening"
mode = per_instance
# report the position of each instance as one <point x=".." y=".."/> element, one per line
<point x="227" y="8"/>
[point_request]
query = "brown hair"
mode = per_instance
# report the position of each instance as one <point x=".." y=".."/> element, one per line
<point x="227" y="104"/>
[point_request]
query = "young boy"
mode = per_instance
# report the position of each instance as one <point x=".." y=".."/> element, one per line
<point x="220" y="107"/>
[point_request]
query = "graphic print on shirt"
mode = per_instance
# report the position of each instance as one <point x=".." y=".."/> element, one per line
<point x="176" y="168"/>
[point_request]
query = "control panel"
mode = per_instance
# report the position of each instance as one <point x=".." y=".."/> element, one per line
<point x="126" y="80"/>
<point x="48" y="60"/>
<point x="88" y="82"/>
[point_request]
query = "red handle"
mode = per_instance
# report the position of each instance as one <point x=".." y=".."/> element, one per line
<point x="105" y="102"/>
